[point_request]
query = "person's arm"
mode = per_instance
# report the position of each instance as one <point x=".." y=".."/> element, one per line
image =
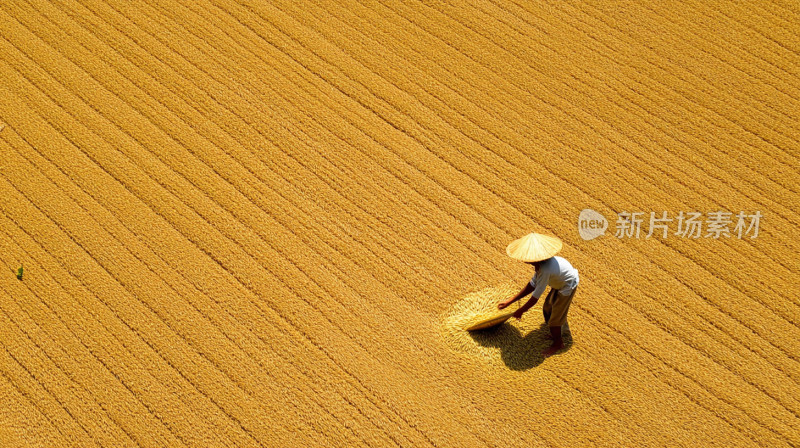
<point x="528" y="305"/>
<point x="540" y="281"/>
<point x="527" y="289"/>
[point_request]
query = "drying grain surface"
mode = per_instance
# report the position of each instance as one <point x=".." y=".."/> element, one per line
<point x="255" y="223"/>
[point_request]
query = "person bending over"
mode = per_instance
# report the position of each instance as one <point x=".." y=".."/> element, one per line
<point x="549" y="270"/>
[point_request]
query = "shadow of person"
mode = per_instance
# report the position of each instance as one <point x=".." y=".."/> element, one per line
<point x="519" y="352"/>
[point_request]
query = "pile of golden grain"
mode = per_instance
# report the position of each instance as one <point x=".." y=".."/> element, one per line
<point x="473" y="308"/>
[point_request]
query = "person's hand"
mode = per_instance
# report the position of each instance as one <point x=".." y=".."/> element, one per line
<point x="518" y="313"/>
<point x="502" y="305"/>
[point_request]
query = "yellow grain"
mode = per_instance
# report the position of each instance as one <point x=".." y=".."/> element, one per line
<point x="256" y="223"/>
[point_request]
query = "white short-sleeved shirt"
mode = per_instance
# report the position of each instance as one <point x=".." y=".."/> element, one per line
<point x="557" y="273"/>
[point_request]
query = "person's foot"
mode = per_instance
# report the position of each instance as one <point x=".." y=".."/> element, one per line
<point x="553" y="349"/>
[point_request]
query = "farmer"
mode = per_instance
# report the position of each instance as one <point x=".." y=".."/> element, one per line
<point x="539" y="251"/>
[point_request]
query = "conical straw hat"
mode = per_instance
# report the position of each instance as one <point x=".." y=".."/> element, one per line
<point x="534" y="247"/>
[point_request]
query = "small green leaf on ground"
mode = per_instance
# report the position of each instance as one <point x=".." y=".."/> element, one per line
<point x="19" y="273"/>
